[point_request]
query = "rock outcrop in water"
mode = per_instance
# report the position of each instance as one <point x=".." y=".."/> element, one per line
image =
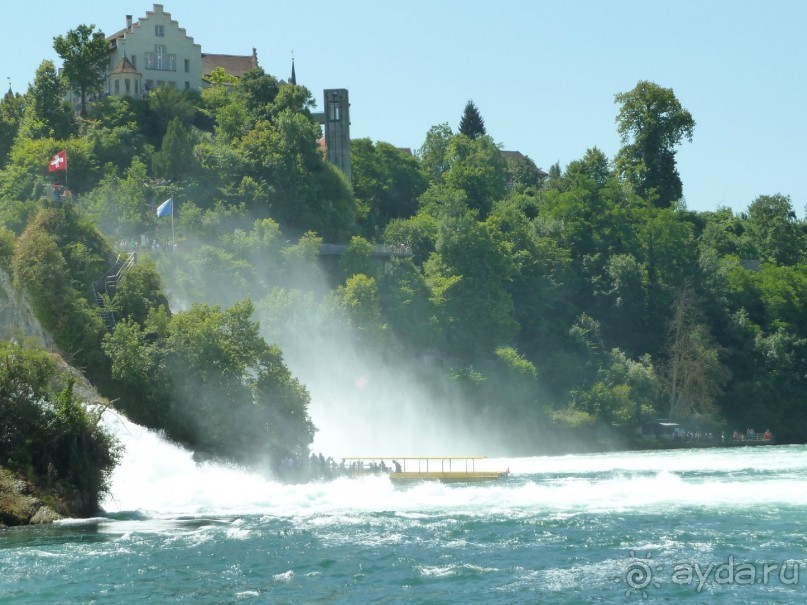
<point x="21" y="503"/>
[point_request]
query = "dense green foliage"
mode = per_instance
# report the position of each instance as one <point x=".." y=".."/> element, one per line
<point x="46" y="433"/>
<point x="583" y="303"/>
<point x="204" y="376"/>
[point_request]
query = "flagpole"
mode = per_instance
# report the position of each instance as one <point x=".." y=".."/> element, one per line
<point x="173" y="241"/>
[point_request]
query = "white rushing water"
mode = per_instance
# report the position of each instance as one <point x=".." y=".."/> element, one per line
<point x="161" y="480"/>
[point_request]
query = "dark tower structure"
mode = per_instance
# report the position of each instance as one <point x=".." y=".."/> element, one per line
<point x="337" y="128"/>
<point x="336" y="120"/>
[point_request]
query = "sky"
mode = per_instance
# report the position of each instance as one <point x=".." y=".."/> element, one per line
<point x="543" y="74"/>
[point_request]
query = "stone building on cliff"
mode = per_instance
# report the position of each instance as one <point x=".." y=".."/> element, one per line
<point x="155" y="51"/>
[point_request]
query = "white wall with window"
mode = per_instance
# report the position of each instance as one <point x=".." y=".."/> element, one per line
<point x="169" y="55"/>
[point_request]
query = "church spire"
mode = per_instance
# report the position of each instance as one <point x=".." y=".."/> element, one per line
<point x="293" y="79"/>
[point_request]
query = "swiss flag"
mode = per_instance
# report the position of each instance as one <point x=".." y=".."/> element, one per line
<point x="58" y="162"/>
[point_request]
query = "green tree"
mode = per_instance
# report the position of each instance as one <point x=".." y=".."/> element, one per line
<point x="723" y="233"/>
<point x="523" y="175"/>
<point x="358" y="298"/>
<point x="304" y="192"/>
<point x="209" y="379"/>
<point x="593" y="166"/>
<point x="11" y="112"/>
<point x="418" y="233"/>
<point x="7" y="240"/>
<point x="386" y="182"/>
<point x="407" y="305"/>
<point x="433" y="152"/>
<point x="46" y="432"/>
<point x="477" y="167"/>
<point x="259" y="90"/>
<point x="114" y="128"/>
<point x="472" y="125"/>
<point x="235" y="394"/>
<point x="541" y="283"/>
<point x="695" y="374"/>
<point x="292" y="97"/>
<point x="56" y="260"/>
<point x="48" y="115"/>
<point x="119" y="205"/>
<point x="652" y="123"/>
<point x="773" y="231"/>
<point x="175" y="158"/>
<point x="468" y="276"/>
<point x="357" y="258"/>
<point x="85" y="54"/>
<point x="219" y="77"/>
<point x="165" y="104"/>
<point x="139" y="291"/>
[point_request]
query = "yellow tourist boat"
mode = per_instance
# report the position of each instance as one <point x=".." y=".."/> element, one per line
<point x="405" y="469"/>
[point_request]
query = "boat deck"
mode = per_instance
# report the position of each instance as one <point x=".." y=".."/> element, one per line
<point x="406" y="469"/>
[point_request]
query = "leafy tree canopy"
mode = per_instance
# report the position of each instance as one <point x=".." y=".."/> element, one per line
<point x="85" y="54"/>
<point x="652" y="123"/>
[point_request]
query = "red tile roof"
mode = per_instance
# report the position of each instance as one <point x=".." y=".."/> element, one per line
<point x="235" y="65"/>
<point x="125" y="66"/>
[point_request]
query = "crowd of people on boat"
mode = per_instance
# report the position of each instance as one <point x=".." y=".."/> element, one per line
<point x="751" y="435"/>
<point x="694" y="436"/>
<point x="317" y="466"/>
<point x="707" y="437"/>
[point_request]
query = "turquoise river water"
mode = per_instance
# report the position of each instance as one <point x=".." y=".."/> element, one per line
<point x="683" y="526"/>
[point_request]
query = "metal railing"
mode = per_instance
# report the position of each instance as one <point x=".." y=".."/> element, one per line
<point x="104" y="289"/>
<point x="380" y="250"/>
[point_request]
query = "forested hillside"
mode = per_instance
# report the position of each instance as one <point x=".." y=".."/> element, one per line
<point x="580" y="303"/>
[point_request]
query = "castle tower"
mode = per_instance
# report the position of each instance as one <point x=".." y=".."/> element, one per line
<point x="336" y="119"/>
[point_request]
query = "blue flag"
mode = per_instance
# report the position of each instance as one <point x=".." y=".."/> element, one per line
<point x="166" y="208"/>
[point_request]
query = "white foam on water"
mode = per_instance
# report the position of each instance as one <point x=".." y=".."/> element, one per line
<point x="162" y="481"/>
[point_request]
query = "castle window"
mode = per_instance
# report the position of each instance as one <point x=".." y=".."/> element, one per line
<point x="187" y="66"/>
<point x="117" y="87"/>
<point x="159" y="31"/>
<point x="137" y="88"/>
<point x="187" y="85"/>
<point x="160" y="59"/>
<point x="127" y="86"/>
<point x="160" y="50"/>
<point x="334" y="111"/>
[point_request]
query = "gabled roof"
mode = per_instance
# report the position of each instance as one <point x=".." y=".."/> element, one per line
<point x="513" y="155"/>
<point x="517" y="156"/>
<point x="235" y="65"/>
<point x="119" y="35"/>
<point x="130" y="27"/>
<point x="125" y="66"/>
